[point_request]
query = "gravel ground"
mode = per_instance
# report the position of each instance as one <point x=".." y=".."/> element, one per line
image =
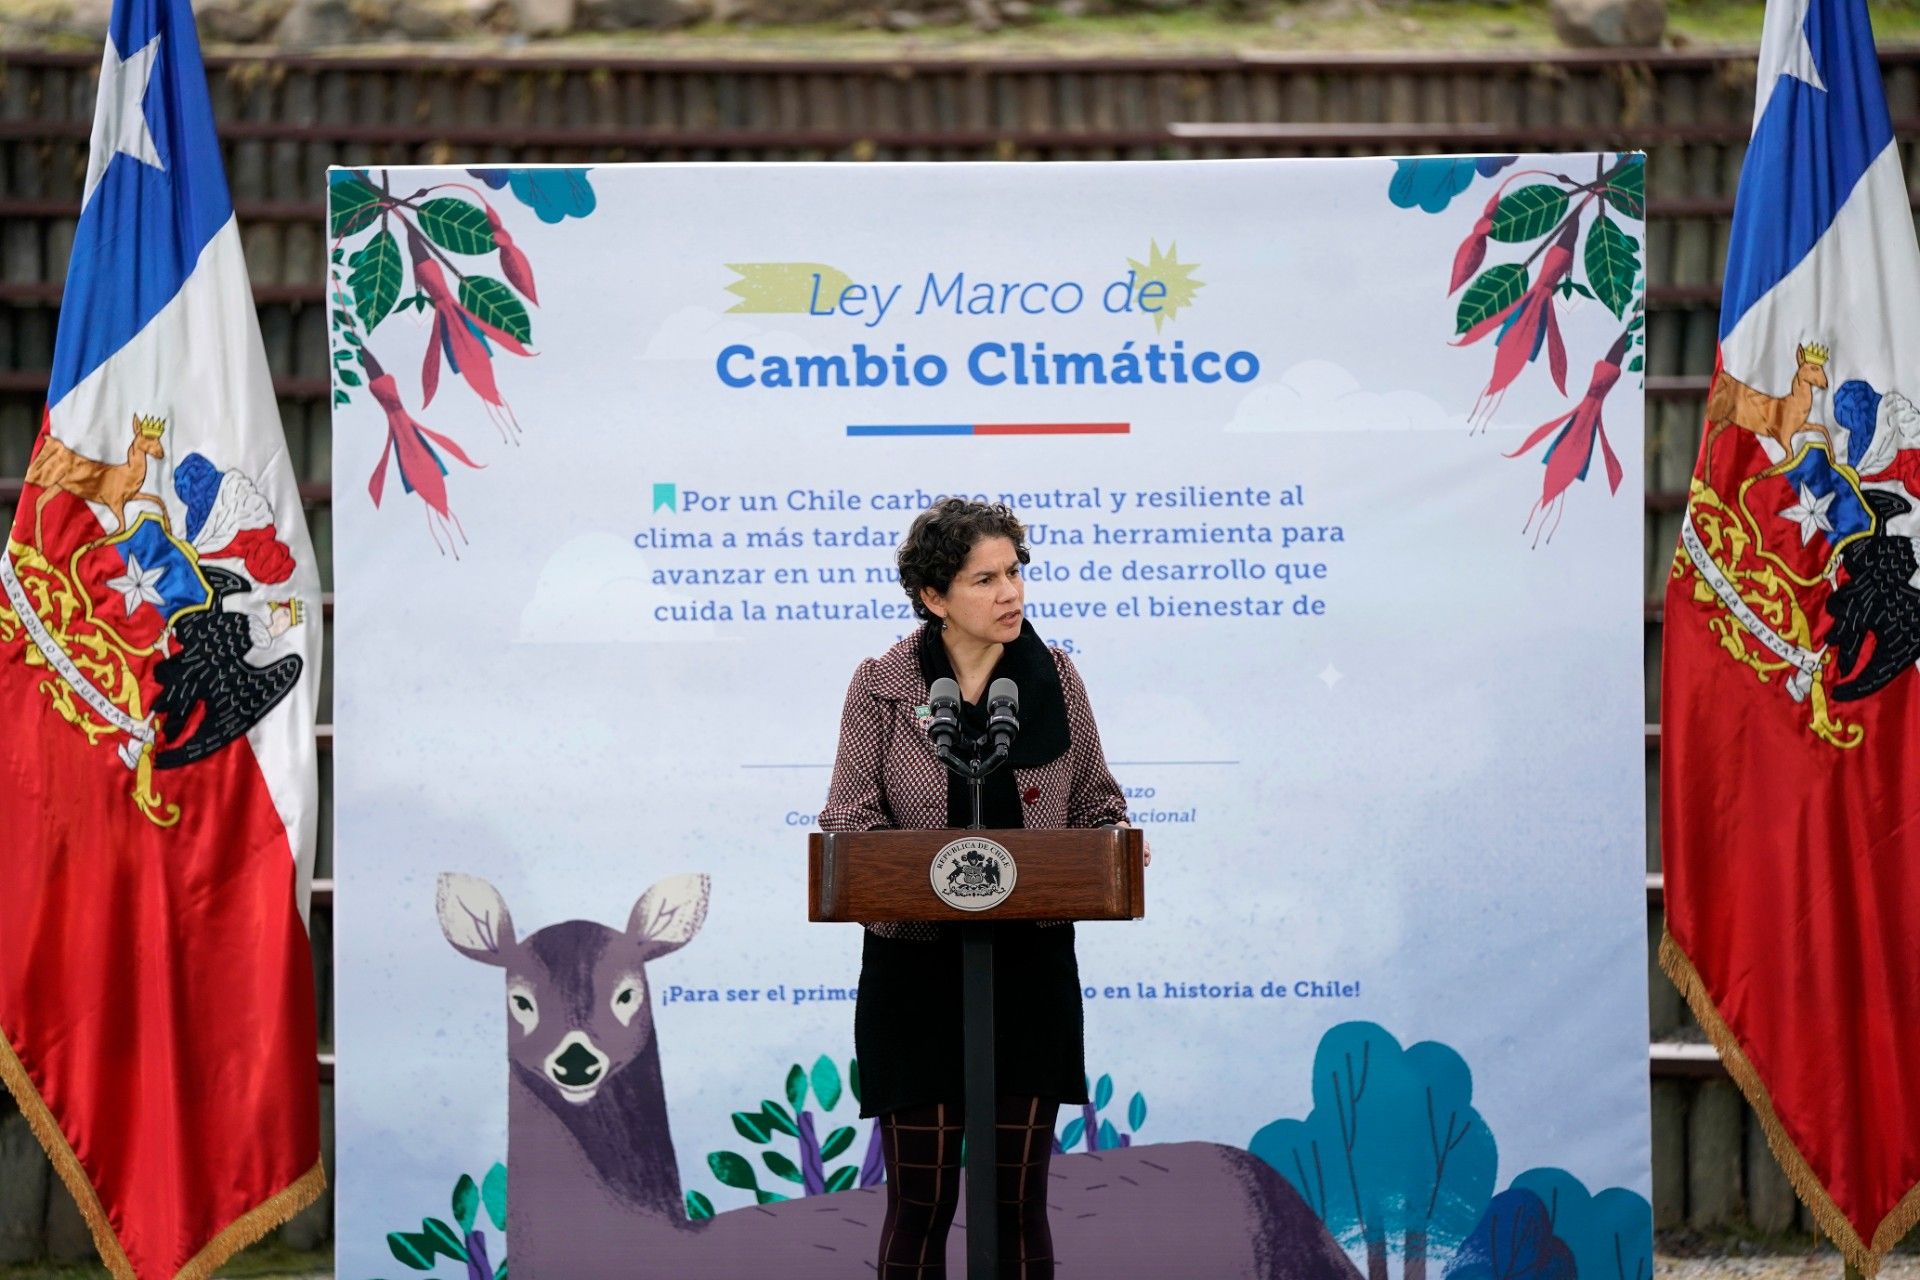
<point x="1812" y="1264"/>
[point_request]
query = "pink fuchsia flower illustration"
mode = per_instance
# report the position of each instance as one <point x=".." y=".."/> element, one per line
<point x="1574" y="437"/>
<point x="1525" y="324"/>
<point x="410" y="447"/>
<point x="463" y="338"/>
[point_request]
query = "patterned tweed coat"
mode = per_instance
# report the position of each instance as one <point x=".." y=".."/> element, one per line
<point x="885" y="774"/>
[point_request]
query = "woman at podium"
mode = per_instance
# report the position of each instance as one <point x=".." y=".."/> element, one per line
<point x="961" y="565"/>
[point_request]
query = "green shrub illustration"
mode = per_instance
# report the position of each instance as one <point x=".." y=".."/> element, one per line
<point x="460" y="1241"/>
<point x="1089" y="1130"/>
<point x="772" y="1124"/>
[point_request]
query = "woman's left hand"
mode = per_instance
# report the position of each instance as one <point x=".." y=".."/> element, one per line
<point x="1146" y="849"/>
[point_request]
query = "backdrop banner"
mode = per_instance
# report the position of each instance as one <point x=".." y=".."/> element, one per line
<point x="1332" y="475"/>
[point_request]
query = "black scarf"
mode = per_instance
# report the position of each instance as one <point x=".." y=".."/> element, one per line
<point x="1043" y="723"/>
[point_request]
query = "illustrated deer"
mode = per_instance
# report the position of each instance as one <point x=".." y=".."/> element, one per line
<point x="1776" y="418"/>
<point x="58" y="469"/>
<point x="594" y="1189"/>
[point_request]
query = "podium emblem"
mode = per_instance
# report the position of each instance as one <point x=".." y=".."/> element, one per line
<point x="973" y="874"/>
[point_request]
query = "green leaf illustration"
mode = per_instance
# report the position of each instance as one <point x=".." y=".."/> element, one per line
<point x="853" y="1078"/>
<point x="770" y="1197"/>
<point x="797" y="1087"/>
<point x="1529" y="213"/>
<point x="1627" y="190"/>
<point x="779" y="1117"/>
<point x="1636" y="364"/>
<point x="1496" y="289"/>
<point x="1613" y="263"/>
<point x="493" y="1190"/>
<point x="843" y="1178"/>
<point x="732" y="1169"/>
<point x="415" y="1251"/>
<point x="826" y="1082"/>
<point x="1071" y="1134"/>
<point x="466" y="1202"/>
<point x="349" y="377"/>
<point x="698" y="1206"/>
<point x="500" y="1272"/>
<point x="352" y="205"/>
<point x="494" y="303"/>
<point x="1103" y="1092"/>
<point x="1109" y="1136"/>
<point x="837" y="1141"/>
<point x="1136" y="1112"/>
<point x="781" y="1166"/>
<point x="752" y="1126"/>
<point x="457" y="226"/>
<point x="443" y="1238"/>
<point x="375" y="279"/>
<point x="340" y="397"/>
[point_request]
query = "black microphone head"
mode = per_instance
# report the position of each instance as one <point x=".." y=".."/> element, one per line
<point x="1004" y="691"/>
<point x="943" y="701"/>
<point x="1003" y="712"/>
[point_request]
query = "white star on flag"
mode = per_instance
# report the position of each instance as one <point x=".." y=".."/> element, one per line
<point x="1784" y="51"/>
<point x="1810" y="513"/>
<point x="136" y="585"/>
<point x="120" y="122"/>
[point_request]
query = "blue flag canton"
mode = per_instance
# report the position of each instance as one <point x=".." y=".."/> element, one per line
<point x="144" y="227"/>
<point x="1809" y="151"/>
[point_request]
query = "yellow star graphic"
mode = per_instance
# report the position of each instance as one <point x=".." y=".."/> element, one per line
<point x="1172" y="275"/>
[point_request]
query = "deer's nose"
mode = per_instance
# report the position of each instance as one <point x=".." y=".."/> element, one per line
<point x="577" y="1067"/>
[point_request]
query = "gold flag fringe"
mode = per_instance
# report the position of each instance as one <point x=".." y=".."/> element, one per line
<point x="256" y="1222"/>
<point x="1864" y="1256"/>
<point x="239" y="1233"/>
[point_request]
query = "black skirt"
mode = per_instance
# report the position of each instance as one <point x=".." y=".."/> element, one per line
<point x="906" y="1021"/>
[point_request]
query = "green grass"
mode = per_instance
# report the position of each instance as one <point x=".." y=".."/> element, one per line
<point x="1221" y="26"/>
<point x="1207" y="27"/>
<point x="262" y="1262"/>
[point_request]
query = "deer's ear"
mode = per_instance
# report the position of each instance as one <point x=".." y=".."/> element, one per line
<point x="474" y="917"/>
<point x="669" y="914"/>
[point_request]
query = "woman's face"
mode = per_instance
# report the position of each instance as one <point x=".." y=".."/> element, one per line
<point x="986" y="601"/>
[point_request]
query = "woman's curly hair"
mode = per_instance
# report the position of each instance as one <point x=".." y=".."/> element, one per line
<point x="943" y="536"/>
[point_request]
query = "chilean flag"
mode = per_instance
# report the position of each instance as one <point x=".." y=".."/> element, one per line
<point x="159" y="617"/>
<point x="1790" y="828"/>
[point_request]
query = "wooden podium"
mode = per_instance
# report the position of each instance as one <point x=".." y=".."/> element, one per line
<point x="975" y="879"/>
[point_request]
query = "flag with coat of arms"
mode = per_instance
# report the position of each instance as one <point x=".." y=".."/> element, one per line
<point x="1790" y="831"/>
<point x="159" y="620"/>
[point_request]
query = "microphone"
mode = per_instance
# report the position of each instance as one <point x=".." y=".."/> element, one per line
<point x="1003" y="713"/>
<point x="943" y="700"/>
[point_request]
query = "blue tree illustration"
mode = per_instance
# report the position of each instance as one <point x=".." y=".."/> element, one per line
<point x="1611" y="1234"/>
<point x="1450" y="1174"/>
<point x="1393" y="1157"/>
<point x="1513" y="1240"/>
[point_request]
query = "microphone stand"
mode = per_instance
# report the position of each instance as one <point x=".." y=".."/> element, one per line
<point x="977" y="1053"/>
<point x="974" y="772"/>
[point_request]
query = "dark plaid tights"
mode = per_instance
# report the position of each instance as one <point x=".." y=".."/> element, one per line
<point x="921" y="1146"/>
